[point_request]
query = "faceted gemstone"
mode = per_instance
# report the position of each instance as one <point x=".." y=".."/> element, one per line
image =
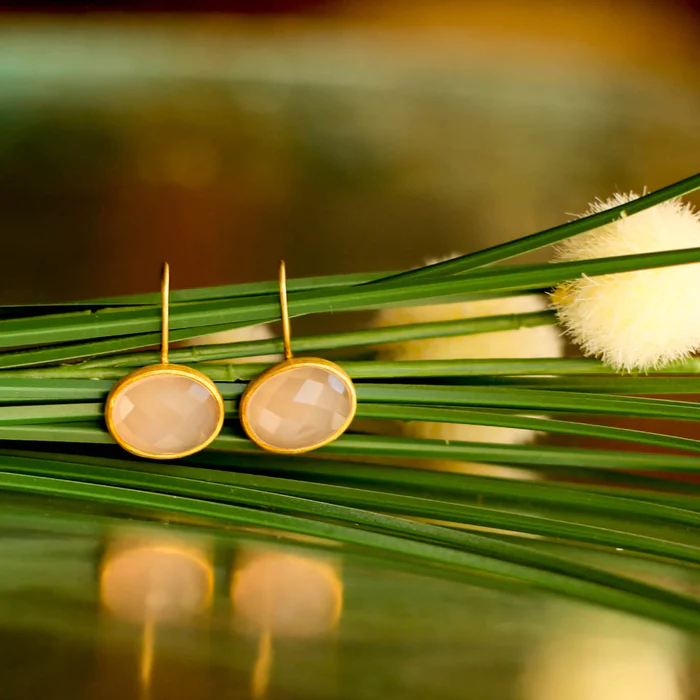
<point x="299" y="408"/>
<point x="165" y="414"/>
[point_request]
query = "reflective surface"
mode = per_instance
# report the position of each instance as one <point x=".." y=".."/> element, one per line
<point x="113" y="604"/>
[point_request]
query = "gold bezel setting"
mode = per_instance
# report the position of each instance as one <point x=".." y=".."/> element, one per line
<point x="160" y="369"/>
<point x="156" y="370"/>
<point x="281" y="368"/>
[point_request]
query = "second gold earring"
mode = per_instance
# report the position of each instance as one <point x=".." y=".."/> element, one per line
<point x="300" y="404"/>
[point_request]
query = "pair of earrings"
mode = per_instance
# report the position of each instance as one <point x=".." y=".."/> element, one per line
<point x="166" y="411"/>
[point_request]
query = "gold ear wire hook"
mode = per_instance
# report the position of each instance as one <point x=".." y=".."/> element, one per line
<point x="165" y="297"/>
<point x="336" y="387"/>
<point x="204" y="407"/>
<point x="286" y="331"/>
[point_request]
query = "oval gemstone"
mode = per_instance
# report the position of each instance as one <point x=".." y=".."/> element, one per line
<point x="299" y="408"/>
<point x="165" y="414"/>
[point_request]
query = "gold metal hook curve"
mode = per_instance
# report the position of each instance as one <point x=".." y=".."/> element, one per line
<point x="284" y="308"/>
<point x="165" y="301"/>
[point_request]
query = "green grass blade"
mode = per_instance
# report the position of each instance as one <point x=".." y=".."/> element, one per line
<point x="481" y="372"/>
<point x="431" y="543"/>
<point x="116" y="322"/>
<point x="50" y="413"/>
<point x="448" y="512"/>
<point x="81" y="412"/>
<point x="375" y="336"/>
<point x="630" y="504"/>
<point x="527" y="244"/>
<point x="508" y="420"/>
<point x="45" y="390"/>
<point x="397" y="504"/>
<point x="78" y="351"/>
<point x="375" y="369"/>
<point x="526" y="456"/>
<point x="233" y="291"/>
<point x="527" y="399"/>
<point x="16" y="390"/>
<point x="206" y="482"/>
<point x="28" y="389"/>
<point x="614" y="385"/>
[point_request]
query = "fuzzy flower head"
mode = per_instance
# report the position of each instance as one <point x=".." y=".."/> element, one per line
<point x="634" y="320"/>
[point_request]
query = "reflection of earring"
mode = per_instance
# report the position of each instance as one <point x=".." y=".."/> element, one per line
<point x="154" y="584"/>
<point x="164" y="411"/>
<point x="299" y="404"/>
<point x="276" y="594"/>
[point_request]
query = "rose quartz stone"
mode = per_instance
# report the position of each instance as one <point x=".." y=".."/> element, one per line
<point x="299" y="408"/>
<point x="165" y="414"/>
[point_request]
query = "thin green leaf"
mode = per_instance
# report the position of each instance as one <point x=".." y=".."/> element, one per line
<point x="80" y="412"/>
<point x="374" y="336"/>
<point x="14" y="390"/>
<point x="509" y="420"/>
<point x="581" y="498"/>
<point x="527" y="399"/>
<point x="527" y="244"/>
<point x="436" y="509"/>
<point x="429" y="542"/>
<point x="398" y="504"/>
<point x="234" y="291"/>
<point x="50" y="413"/>
<point x="77" y="351"/>
<point x="613" y="385"/>
<point x="115" y="322"/>
<point x="527" y="456"/>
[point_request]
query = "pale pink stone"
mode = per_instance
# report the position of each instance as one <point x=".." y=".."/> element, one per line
<point x="299" y="408"/>
<point x="165" y="414"/>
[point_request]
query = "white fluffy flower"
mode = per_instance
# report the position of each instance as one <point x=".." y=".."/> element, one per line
<point x="634" y="320"/>
<point x="542" y="341"/>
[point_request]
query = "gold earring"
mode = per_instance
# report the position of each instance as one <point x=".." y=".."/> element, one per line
<point x="299" y="404"/>
<point x="164" y="411"/>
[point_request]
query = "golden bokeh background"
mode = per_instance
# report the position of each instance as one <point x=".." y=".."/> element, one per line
<point x="353" y="136"/>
